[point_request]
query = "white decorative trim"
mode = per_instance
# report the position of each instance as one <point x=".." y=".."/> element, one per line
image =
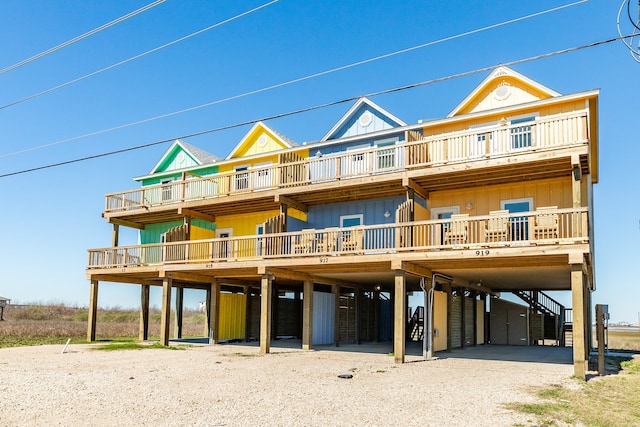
<point x="454" y="210"/>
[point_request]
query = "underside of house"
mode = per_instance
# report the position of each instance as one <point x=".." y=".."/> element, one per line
<point x="326" y="241"/>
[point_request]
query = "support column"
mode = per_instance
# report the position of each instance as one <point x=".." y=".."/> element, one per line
<point x="335" y="289"/>
<point x="165" y="318"/>
<point x="463" y="317"/>
<point x="376" y="305"/>
<point x="93" y="311"/>
<point x="474" y="295"/>
<point x="577" y="300"/>
<point x="399" y="316"/>
<point x="485" y="335"/>
<point x="307" y="315"/>
<point x="114" y="235"/>
<point x="143" y="333"/>
<point x="179" y="307"/>
<point x="266" y="293"/>
<point x="213" y="308"/>
<point x="576" y="187"/>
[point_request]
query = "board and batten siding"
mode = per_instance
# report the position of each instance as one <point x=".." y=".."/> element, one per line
<point x="233" y="315"/>
<point x="456" y="322"/>
<point x="546" y="192"/>
<point x="372" y="211"/>
<point x="324" y="314"/>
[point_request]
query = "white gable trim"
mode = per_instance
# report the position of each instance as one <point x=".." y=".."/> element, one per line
<point x="354" y="108"/>
<point x="499" y="72"/>
<point x="169" y="150"/>
<point x="263" y="125"/>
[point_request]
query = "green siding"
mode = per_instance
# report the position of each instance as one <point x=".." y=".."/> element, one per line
<point x="152" y="232"/>
<point x="157" y="178"/>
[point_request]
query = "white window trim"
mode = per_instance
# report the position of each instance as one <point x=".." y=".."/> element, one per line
<point x="343" y="217"/>
<point x="525" y="199"/>
<point x="220" y="231"/>
<point x="386" y="142"/>
<point x="535" y="117"/>
<point x="455" y="210"/>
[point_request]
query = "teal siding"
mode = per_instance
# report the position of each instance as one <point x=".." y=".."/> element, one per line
<point x="175" y="176"/>
<point x="153" y="232"/>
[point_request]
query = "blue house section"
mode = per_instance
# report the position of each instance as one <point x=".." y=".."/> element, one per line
<point x="371" y="212"/>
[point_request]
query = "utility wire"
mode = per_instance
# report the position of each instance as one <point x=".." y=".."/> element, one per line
<point x="300" y="79"/>
<point x="83" y="36"/>
<point x="325" y="105"/>
<point x="133" y="58"/>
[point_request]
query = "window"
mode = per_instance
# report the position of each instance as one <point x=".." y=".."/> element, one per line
<point x="520" y="224"/>
<point x="241" y="181"/>
<point x="350" y="220"/>
<point x="167" y="189"/>
<point x="521" y="132"/>
<point x="441" y="228"/>
<point x="386" y="157"/>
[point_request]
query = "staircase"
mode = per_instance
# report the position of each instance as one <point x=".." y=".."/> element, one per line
<point x="415" y="329"/>
<point x="557" y="318"/>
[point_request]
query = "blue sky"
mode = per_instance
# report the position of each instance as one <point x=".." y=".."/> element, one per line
<point x="50" y="218"/>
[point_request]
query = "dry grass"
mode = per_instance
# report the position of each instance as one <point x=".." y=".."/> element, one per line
<point x="55" y="323"/>
<point x="612" y="400"/>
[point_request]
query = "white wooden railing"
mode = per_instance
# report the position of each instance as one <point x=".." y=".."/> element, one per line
<point x="540" y="228"/>
<point x="545" y="133"/>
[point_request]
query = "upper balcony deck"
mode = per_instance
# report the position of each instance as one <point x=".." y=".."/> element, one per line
<point x="480" y="245"/>
<point x="545" y="147"/>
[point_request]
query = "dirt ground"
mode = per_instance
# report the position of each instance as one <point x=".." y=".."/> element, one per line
<point x="232" y="385"/>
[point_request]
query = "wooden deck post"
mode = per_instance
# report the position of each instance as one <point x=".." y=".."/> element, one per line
<point x="399" y="316"/>
<point x="93" y="311"/>
<point x="578" y="303"/>
<point x="115" y="235"/>
<point x="576" y="189"/>
<point x="213" y="310"/>
<point x="307" y="315"/>
<point x="266" y="293"/>
<point x="179" y="307"/>
<point x="165" y="319"/>
<point x="335" y="289"/>
<point x="143" y="333"/>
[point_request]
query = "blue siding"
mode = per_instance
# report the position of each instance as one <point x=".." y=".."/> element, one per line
<point x="372" y="212"/>
<point x="340" y="148"/>
<point x="353" y="127"/>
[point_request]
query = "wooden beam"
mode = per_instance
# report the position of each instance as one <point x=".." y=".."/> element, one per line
<point x="399" y="316"/>
<point x="177" y="331"/>
<point x="307" y="315"/>
<point x="266" y="291"/>
<point x="279" y="198"/>
<point x="115" y="234"/>
<point x="213" y="304"/>
<point x="577" y="302"/>
<point x="335" y="290"/>
<point x="186" y="276"/>
<point x="411" y="268"/>
<point x="126" y="223"/>
<point x="93" y="311"/>
<point x="165" y="319"/>
<point x="411" y="184"/>
<point x="143" y="332"/>
<point x="195" y="214"/>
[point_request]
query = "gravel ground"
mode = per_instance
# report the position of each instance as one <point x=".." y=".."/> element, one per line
<point x="232" y="385"/>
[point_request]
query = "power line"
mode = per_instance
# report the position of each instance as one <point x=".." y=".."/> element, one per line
<point x="297" y="80"/>
<point x="133" y="58"/>
<point x="325" y="105"/>
<point x="81" y="37"/>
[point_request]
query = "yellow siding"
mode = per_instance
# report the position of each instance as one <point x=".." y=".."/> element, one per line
<point x="548" y="192"/>
<point x="199" y="233"/>
<point x="440" y="321"/>
<point x="230" y="167"/>
<point x="233" y="316"/>
<point x="480" y="321"/>
<point x="244" y="224"/>
<point x="462" y="125"/>
<point x="420" y="213"/>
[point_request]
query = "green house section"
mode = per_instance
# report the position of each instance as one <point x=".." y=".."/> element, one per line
<point x="152" y="233"/>
<point x="160" y="177"/>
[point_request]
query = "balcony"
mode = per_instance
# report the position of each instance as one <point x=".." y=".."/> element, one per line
<point x="542" y="228"/>
<point x="463" y="147"/>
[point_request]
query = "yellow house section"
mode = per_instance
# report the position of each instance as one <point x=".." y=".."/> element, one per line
<point x="482" y="200"/>
<point x="514" y="91"/>
<point x="199" y="233"/>
<point x="233" y="316"/>
<point x="439" y="321"/>
<point x="259" y="140"/>
<point x="480" y="309"/>
<point x="246" y="224"/>
<point x="462" y="125"/>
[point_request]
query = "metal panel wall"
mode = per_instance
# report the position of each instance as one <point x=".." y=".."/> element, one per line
<point x="469" y="321"/>
<point x="456" y="322"/>
<point x="233" y="310"/>
<point x="324" y="314"/>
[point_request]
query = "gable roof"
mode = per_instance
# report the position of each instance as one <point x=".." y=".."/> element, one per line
<point x="199" y="157"/>
<point x="358" y="109"/>
<point x="247" y="139"/>
<point x="502" y="75"/>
